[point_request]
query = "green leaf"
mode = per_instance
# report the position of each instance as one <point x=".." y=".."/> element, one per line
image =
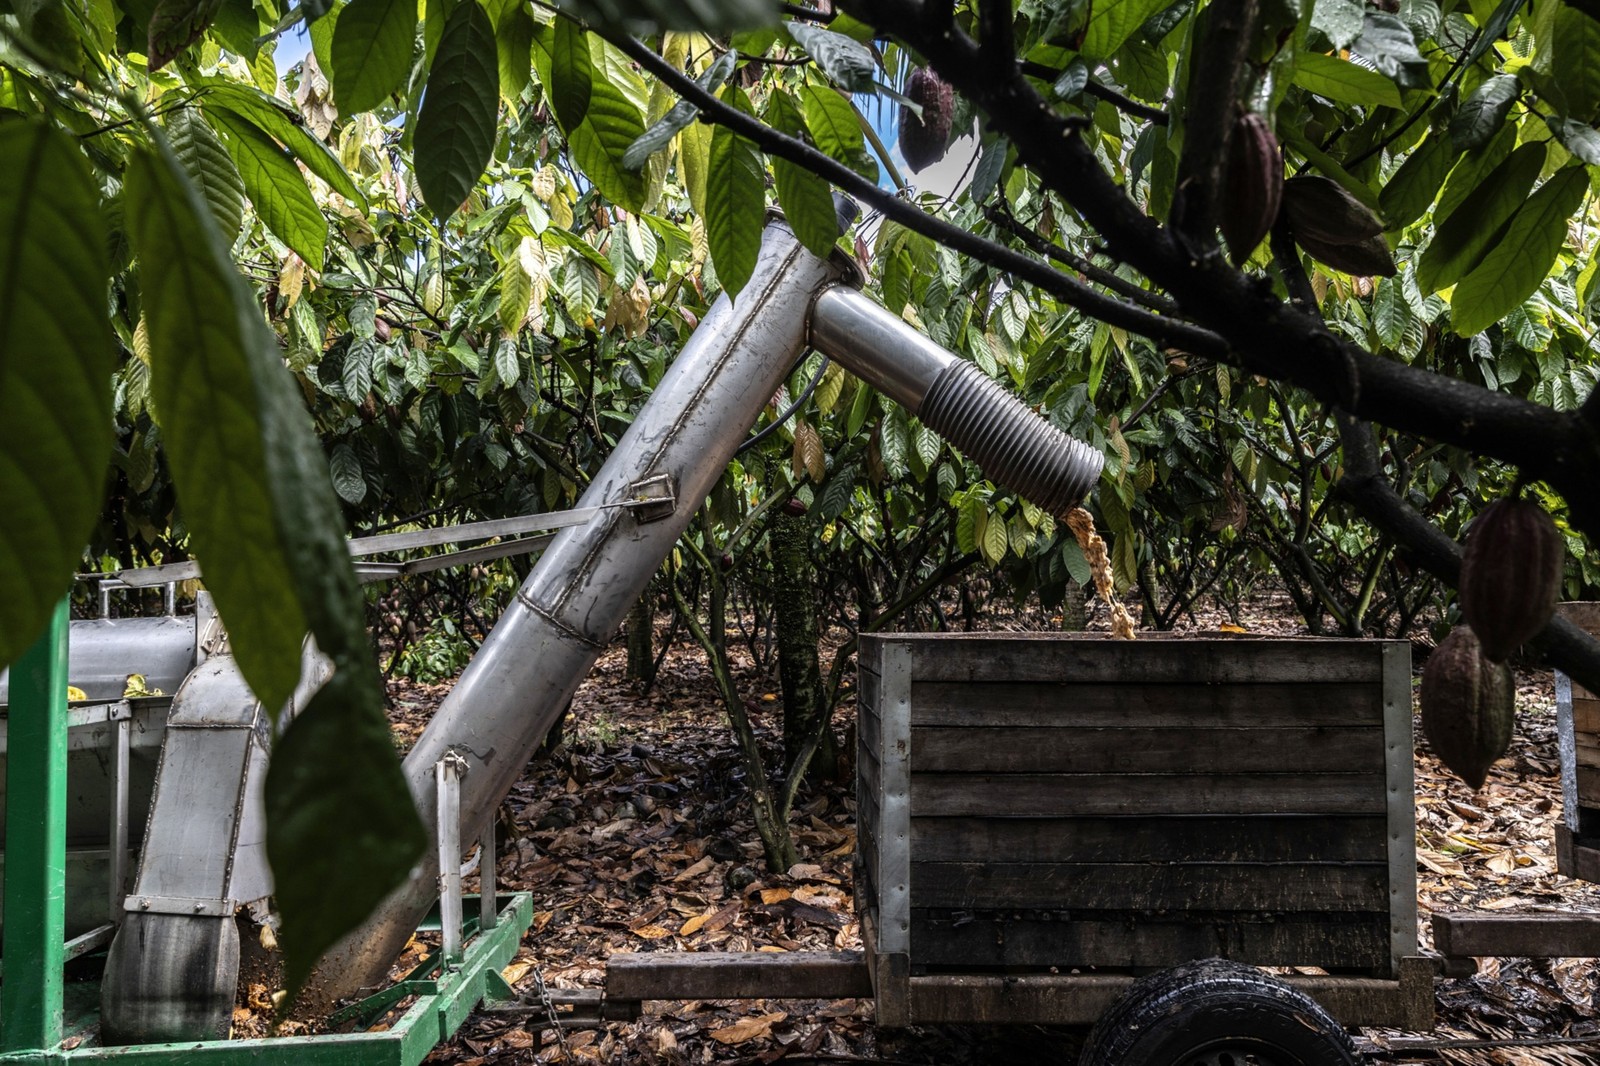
<point x="1388" y="43"/>
<point x="1577" y="138"/>
<point x="1389" y="313"/>
<point x="1517" y="266"/>
<point x="735" y="202"/>
<point x="848" y="62"/>
<point x="1472" y="167"/>
<point x="206" y="162"/>
<point x="55" y="372"/>
<point x="263" y="520"/>
<point x="571" y="74"/>
<point x="806" y="200"/>
<point x="284" y="126"/>
<point x="610" y="125"/>
<point x="1575" y="62"/>
<point x="1482" y="113"/>
<point x="1408" y="194"/>
<point x="371" y="52"/>
<point x="1113" y="22"/>
<point x="995" y="539"/>
<point x="275" y="187"/>
<point x="1344" y="82"/>
<point x="834" y="123"/>
<point x="647" y="16"/>
<point x="1340" y="20"/>
<point x="348" y="480"/>
<point x="678" y="117"/>
<point x="694" y="156"/>
<point x="513" y="40"/>
<point x="456" y="127"/>
<point x="175" y="25"/>
<point x="1461" y="240"/>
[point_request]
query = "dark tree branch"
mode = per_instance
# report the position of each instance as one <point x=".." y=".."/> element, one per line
<point x="994" y="23"/>
<point x="1218" y="63"/>
<point x="1264" y="334"/>
<point x="1121" y="286"/>
<point x="1094" y="88"/>
<point x="1165" y="332"/>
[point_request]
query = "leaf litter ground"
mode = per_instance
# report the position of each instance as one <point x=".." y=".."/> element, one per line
<point x="633" y="835"/>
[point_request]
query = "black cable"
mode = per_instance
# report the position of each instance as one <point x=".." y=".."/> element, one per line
<point x="767" y="431"/>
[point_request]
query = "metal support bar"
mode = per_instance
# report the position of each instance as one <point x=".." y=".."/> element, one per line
<point x="36" y="844"/>
<point x="118" y="843"/>
<point x="447" y="775"/>
<point x="487" y="911"/>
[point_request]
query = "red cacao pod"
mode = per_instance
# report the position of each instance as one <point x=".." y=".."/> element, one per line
<point x="1467" y="704"/>
<point x="794" y="506"/>
<point x="1253" y="186"/>
<point x="923" y="140"/>
<point x="1510" y="575"/>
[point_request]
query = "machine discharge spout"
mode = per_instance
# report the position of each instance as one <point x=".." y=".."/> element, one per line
<point x="1012" y="444"/>
<point x="579" y="593"/>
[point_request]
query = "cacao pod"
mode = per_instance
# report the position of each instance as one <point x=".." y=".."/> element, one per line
<point x="1466" y="707"/>
<point x="1510" y="575"/>
<point x="1253" y="189"/>
<point x="1323" y="210"/>
<point x="1368" y="258"/>
<point x="794" y="506"/>
<point x="923" y="140"/>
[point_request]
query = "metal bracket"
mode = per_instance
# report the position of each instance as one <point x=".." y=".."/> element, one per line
<point x="654" y="498"/>
<point x="207" y="908"/>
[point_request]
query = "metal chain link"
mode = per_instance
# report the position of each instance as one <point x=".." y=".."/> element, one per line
<point x="550" y="1011"/>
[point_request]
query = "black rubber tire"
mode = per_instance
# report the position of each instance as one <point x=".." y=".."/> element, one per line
<point x="1216" y="1013"/>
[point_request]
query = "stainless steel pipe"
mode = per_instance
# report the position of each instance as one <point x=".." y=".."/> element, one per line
<point x="579" y="593"/>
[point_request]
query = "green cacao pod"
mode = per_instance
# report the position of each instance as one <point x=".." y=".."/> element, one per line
<point x="923" y="140"/>
<point x="1510" y="575"/>
<point x="1253" y="187"/>
<point x="1467" y="706"/>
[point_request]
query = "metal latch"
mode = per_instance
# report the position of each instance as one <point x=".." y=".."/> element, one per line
<point x="654" y="498"/>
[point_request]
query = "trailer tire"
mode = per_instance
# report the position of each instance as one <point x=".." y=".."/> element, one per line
<point x="1216" y="1013"/>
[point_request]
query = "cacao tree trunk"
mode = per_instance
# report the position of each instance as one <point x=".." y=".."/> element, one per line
<point x="640" y="629"/>
<point x="1074" y="607"/>
<point x="805" y="704"/>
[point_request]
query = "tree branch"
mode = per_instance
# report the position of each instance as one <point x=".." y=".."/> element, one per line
<point x="1126" y="104"/>
<point x="1121" y="286"/>
<point x="1227" y="30"/>
<point x="1164" y="332"/>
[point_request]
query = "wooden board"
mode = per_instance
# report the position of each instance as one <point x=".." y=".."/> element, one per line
<point x="1588" y="786"/>
<point x="1031" y="657"/>
<point x="1139" y="749"/>
<point x="1177" y="887"/>
<point x="1143" y="702"/>
<point x="1527" y="935"/>
<point x="1585" y="713"/>
<point x="1155" y="839"/>
<point x="977" y="941"/>
<point x="674" y="975"/>
<point x="1066" y="795"/>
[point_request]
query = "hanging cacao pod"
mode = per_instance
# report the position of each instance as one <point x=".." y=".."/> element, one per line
<point x="1368" y="258"/>
<point x="1467" y="704"/>
<point x="923" y="140"/>
<point x="1323" y="210"/>
<point x="1510" y="575"/>
<point x="1253" y="188"/>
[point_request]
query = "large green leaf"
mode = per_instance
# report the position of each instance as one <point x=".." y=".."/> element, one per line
<point x="1461" y="240"/>
<point x="1482" y="113"/>
<point x="1580" y="139"/>
<point x="1113" y="22"/>
<point x="645" y="16"/>
<point x="456" y="129"/>
<point x="571" y="74"/>
<point x="1517" y="266"/>
<point x="265" y="524"/>
<point x="55" y="372"/>
<point x="735" y="202"/>
<point x="1472" y="168"/>
<point x="513" y="41"/>
<point x="1340" y="20"/>
<point x="275" y="188"/>
<point x="1344" y="82"/>
<point x="833" y="121"/>
<point x="371" y="52"/>
<point x="1412" y="189"/>
<point x="287" y="128"/>
<point x="806" y="200"/>
<point x="849" y="63"/>
<point x="206" y="162"/>
<point x="1575" y="62"/>
<point x="678" y="117"/>
<point x="611" y="123"/>
<point x="1387" y="42"/>
<point x="175" y="25"/>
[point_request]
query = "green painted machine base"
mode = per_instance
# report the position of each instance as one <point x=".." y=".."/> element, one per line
<point x="446" y="994"/>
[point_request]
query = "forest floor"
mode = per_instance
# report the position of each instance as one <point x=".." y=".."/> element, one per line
<point x="633" y="834"/>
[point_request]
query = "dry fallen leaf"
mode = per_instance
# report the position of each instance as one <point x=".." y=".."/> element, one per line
<point x="747" y="1029"/>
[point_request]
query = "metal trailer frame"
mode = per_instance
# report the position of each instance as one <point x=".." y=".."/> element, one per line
<point x="41" y="1024"/>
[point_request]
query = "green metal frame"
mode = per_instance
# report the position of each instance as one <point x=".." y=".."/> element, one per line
<point x="34" y="1027"/>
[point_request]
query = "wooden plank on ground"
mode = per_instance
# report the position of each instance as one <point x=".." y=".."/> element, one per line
<point x="1067" y="795"/>
<point x="1143" y="701"/>
<point x="1188" y="660"/>
<point x="1538" y="935"/>
<point x="985" y="941"/>
<point x="1177" y="887"/>
<point x="1264" y="838"/>
<point x="1137" y="748"/>
<point x="737" y="975"/>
